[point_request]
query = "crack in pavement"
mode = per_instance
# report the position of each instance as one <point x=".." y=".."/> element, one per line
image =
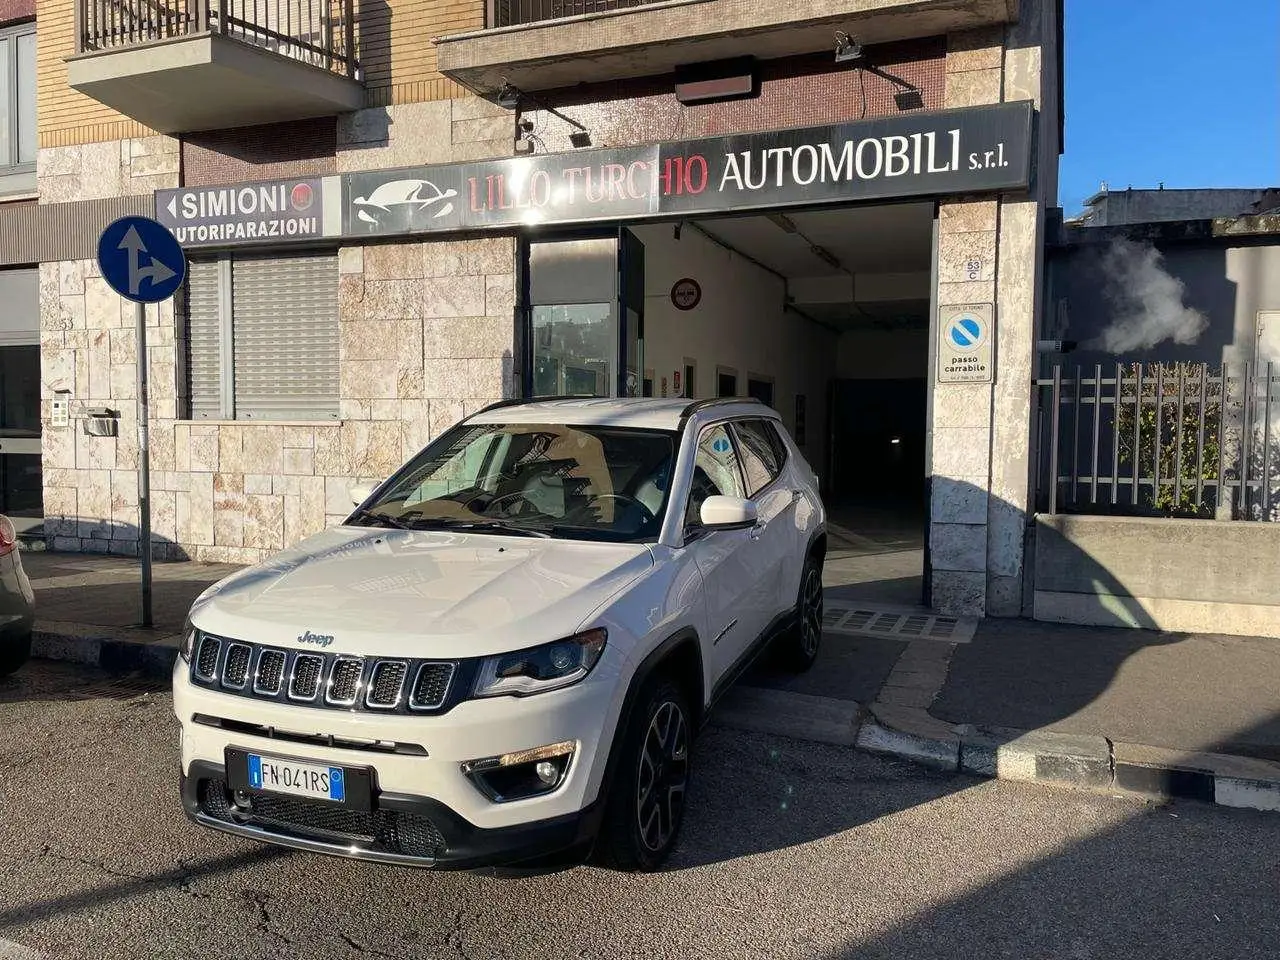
<point x="366" y="950"/>
<point x="261" y="899"/>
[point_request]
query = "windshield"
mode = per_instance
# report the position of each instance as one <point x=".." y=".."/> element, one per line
<point x="588" y="483"/>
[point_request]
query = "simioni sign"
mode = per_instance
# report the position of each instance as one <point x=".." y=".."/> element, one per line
<point x="245" y="213"/>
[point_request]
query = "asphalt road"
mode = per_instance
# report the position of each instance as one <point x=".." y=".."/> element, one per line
<point x="791" y="850"/>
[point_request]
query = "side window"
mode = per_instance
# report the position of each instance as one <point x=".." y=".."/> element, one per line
<point x="716" y="471"/>
<point x="761" y="456"/>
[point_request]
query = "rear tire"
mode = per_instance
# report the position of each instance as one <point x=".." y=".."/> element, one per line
<point x="800" y="647"/>
<point x="646" y="802"/>
<point x="14" y="652"/>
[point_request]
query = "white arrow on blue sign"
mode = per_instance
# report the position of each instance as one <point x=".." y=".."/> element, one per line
<point x="141" y="260"/>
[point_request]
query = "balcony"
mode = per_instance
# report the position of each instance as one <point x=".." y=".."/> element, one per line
<point x="186" y="65"/>
<point x="542" y="44"/>
<point x="513" y="13"/>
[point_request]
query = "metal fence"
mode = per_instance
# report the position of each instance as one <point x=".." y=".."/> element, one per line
<point x="318" y="32"/>
<point x="1169" y="439"/>
<point x="510" y="13"/>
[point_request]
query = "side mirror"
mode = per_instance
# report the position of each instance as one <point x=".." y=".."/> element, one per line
<point x="361" y="492"/>
<point x="728" y="513"/>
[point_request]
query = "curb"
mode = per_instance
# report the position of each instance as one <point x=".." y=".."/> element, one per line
<point x="81" y="643"/>
<point x="1087" y="762"/>
<point x="905" y="732"/>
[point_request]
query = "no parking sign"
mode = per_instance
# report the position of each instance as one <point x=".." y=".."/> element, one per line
<point x="964" y="343"/>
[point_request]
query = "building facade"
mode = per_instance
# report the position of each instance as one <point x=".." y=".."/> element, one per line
<point x="1116" y="208"/>
<point x="398" y="213"/>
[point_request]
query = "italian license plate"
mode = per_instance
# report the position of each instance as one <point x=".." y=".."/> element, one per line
<point x="314" y="780"/>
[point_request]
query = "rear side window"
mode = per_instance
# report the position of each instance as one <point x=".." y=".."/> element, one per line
<point x="762" y="453"/>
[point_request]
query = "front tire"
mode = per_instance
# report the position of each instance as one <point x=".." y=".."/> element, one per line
<point x="646" y="804"/>
<point x="14" y="652"/>
<point x="800" y="647"/>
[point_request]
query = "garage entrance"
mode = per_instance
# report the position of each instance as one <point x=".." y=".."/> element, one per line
<point x="821" y="314"/>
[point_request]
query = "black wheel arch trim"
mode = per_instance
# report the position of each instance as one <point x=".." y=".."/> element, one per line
<point x="819" y="533"/>
<point x="649" y="666"/>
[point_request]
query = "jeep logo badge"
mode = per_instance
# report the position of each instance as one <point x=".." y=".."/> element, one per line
<point x="315" y="638"/>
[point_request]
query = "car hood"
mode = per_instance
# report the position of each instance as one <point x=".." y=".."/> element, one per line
<point x="410" y="593"/>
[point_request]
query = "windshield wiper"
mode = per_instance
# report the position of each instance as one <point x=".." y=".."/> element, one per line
<point x="382" y="518"/>
<point x="497" y="526"/>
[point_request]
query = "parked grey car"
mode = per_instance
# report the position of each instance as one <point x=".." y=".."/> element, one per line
<point x="17" y="603"/>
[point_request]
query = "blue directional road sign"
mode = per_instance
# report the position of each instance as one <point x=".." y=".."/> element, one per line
<point x="141" y="260"/>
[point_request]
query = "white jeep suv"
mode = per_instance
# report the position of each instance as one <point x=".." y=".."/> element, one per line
<point x="504" y="652"/>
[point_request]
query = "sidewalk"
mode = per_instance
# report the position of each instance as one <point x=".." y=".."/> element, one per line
<point x="1161" y="714"/>
<point x="89" y="608"/>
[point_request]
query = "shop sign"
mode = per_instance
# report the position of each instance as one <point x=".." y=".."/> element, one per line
<point x="971" y="150"/>
<point x="919" y="154"/>
<point x="274" y="211"/>
<point x="964" y="343"/>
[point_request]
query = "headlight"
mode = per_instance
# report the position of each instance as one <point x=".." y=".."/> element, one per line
<point x="188" y="641"/>
<point x="540" y="669"/>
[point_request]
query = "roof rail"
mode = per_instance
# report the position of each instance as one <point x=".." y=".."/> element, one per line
<point x="521" y="401"/>
<point x="697" y="405"/>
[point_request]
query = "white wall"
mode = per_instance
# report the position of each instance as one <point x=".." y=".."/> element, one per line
<point x="739" y="323"/>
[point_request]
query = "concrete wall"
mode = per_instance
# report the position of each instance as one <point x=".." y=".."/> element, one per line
<point x="1178" y="575"/>
<point x="740" y="324"/>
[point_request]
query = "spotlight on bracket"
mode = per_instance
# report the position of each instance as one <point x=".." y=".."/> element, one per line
<point x="509" y="97"/>
<point x="909" y="99"/>
<point x="848" y="49"/>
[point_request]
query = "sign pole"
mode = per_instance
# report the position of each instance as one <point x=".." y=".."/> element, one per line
<point x="144" y="263"/>
<point x="144" y="463"/>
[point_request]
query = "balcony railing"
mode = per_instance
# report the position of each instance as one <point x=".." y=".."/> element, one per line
<point x="512" y="13"/>
<point x="318" y="32"/>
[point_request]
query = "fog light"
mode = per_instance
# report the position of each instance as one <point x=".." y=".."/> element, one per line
<point x="520" y="775"/>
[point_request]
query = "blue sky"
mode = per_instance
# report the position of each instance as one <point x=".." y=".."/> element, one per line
<point x="1184" y="91"/>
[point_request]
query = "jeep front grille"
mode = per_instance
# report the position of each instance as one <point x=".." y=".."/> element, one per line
<point x="335" y="681"/>
<point x="431" y="686"/>
<point x="304" y="682"/>
<point x="271" y="665"/>
<point x="344" y="681"/>
<point x="386" y="683"/>
<point x="235" y="673"/>
<point x="206" y="665"/>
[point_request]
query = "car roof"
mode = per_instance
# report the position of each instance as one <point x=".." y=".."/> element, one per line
<point x="639" y="412"/>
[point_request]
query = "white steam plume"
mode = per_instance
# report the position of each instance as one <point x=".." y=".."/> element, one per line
<point x="1146" y="300"/>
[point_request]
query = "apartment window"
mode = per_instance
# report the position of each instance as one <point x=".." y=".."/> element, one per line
<point x="18" y="109"/>
<point x="262" y="337"/>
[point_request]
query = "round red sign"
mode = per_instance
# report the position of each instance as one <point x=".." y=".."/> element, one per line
<point x="686" y="294"/>
<point x="301" y="196"/>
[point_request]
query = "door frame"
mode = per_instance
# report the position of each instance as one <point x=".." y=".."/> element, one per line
<point x="524" y="339"/>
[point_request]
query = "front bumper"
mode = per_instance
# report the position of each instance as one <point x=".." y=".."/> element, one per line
<point x="401" y="829"/>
